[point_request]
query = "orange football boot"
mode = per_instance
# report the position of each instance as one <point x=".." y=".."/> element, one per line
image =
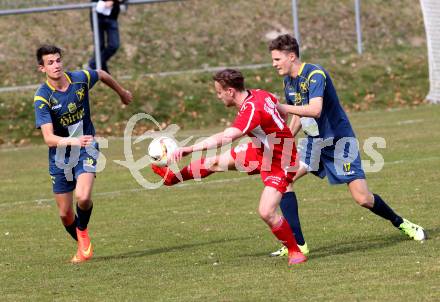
<point x="85" y="248"/>
<point x="296" y="257"/>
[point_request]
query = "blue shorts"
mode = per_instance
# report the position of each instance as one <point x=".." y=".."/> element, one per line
<point x="64" y="170"/>
<point x="340" y="160"/>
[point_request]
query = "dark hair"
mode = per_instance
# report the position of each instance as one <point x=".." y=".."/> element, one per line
<point x="47" y="50"/>
<point x="230" y="78"/>
<point x="285" y="43"/>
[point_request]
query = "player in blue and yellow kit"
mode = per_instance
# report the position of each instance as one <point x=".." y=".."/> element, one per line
<point x="62" y="112"/>
<point x="331" y="149"/>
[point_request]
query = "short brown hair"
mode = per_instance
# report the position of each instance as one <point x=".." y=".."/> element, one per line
<point x="47" y="50"/>
<point x="230" y="78"/>
<point x="285" y="43"/>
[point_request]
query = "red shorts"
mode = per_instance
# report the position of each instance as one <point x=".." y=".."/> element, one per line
<point x="248" y="159"/>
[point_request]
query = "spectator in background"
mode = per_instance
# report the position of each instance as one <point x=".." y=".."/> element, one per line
<point x="108" y="12"/>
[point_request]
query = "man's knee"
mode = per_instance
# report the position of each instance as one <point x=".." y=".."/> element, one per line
<point x="113" y="47"/>
<point x="113" y="44"/>
<point x="267" y="215"/>
<point x="364" y="200"/>
<point x="216" y="163"/>
<point x="359" y="190"/>
<point x="83" y="198"/>
<point x="67" y="217"/>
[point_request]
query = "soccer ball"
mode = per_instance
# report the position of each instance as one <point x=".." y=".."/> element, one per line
<point x="160" y="149"/>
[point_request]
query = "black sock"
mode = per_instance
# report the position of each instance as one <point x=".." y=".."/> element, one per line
<point x="83" y="217"/>
<point x="71" y="229"/>
<point x="383" y="210"/>
<point x="289" y="208"/>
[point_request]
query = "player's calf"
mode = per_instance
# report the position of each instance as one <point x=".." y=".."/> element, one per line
<point x="195" y="170"/>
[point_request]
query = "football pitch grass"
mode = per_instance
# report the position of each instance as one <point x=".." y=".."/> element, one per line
<point x="205" y="242"/>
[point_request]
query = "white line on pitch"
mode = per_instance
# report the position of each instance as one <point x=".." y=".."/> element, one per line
<point x="44" y="200"/>
<point x="120" y="138"/>
<point x="197" y="183"/>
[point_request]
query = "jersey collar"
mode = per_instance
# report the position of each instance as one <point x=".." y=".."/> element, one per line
<point x="53" y="88"/>
<point x="50" y="86"/>
<point x="301" y="68"/>
<point x="247" y="98"/>
<point x="68" y="78"/>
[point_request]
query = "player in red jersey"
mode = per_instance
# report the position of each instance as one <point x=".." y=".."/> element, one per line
<point x="272" y="152"/>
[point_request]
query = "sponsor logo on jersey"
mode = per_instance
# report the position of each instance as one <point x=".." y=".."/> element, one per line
<point x="71" y="118"/>
<point x="80" y="94"/>
<point x="71" y="107"/>
<point x="303" y="87"/>
<point x="298" y="98"/>
<point x="54" y="104"/>
<point x="54" y="101"/>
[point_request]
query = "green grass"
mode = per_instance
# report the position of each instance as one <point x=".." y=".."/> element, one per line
<point x="186" y="35"/>
<point x="381" y="81"/>
<point x="194" y="34"/>
<point x="205" y="242"/>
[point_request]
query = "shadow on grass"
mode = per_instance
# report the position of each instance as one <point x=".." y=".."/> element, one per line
<point x="368" y="243"/>
<point x="337" y="248"/>
<point x="353" y="246"/>
<point x="168" y="249"/>
<point x="345" y="247"/>
<point x="373" y="242"/>
<point x="433" y="233"/>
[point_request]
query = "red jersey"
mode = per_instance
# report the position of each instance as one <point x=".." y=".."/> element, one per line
<point x="259" y="118"/>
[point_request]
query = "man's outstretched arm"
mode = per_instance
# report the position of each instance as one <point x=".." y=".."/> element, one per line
<point x="219" y="139"/>
<point x="107" y="79"/>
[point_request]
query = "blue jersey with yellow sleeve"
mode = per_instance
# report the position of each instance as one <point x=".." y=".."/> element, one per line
<point x="68" y="111"/>
<point x="314" y="81"/>
<point x="340" y="160"/>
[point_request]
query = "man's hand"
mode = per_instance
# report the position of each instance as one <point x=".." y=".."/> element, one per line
<point x="108" y="4"/>
<point x="179" y="153"/>
<point x="81" y="141"/>
<point x="126" y="97"/>
<point x="124" y="94"/>
<point x="85" y="140"/>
